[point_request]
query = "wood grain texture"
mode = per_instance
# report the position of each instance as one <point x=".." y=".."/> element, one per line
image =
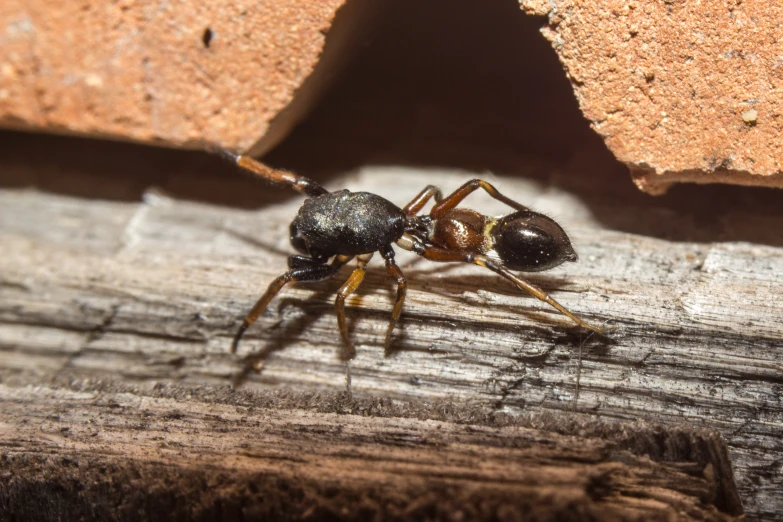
<point x="104" y="452"/>
<point x="148" y="294"/>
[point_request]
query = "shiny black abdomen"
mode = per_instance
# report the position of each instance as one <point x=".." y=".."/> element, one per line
<point x="531" y="242"/>
<point x="345" y="222"/>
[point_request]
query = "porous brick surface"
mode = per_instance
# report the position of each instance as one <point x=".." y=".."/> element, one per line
<point x="679" y="90"/>
<point x="176" y="72"/>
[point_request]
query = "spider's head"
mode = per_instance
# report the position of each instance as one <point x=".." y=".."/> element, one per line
<point x="530" y="242"/>
<point x="298" y="241"/>
<point x="301" y="244"/>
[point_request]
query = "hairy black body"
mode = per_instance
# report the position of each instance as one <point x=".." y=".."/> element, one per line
<point x="332" y="228"/>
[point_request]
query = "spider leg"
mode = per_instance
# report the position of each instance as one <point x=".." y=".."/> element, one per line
<point x="298" y="183"/>
<point x="353" y="282"/>
<point x="532" y="290"/>
<point x="304" y="274"/>
<point x="454" y="199"/>
<point x="417" y="203"/>
<point x="402" y="286"/>
<point x="444" y="255"/>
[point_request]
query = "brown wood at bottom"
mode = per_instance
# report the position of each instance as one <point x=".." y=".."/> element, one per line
<point x="97" y="452"/>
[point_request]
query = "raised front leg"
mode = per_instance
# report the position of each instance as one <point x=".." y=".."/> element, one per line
<point x="298" y="183"/>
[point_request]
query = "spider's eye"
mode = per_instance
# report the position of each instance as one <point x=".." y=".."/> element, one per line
<point x="297" y="240"/>
<point x="531" y="242"/>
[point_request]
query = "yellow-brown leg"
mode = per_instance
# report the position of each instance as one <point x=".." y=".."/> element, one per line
<point x="444" y="255"/>
<point x="347" y="289"/>
<point x="297" y="182"/>
<point x="534" y="291"/>
<point x="402" y="286"/>
<point x="308" y="274"/>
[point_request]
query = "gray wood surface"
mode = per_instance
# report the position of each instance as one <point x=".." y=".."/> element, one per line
<point x="149" y="293"/>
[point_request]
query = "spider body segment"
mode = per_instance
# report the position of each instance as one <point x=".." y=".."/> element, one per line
<point x="332" y="228"/>
<point x="346" y="223"/>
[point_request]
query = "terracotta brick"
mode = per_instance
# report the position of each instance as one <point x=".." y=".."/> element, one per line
<point x="680" y="91"/>
<point x="177" y="72"/>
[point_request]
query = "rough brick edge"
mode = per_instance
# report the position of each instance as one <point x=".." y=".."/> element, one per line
<point x="659" y="183"/>
<point x="724" y="139"/>
<point x="176" y="74"/>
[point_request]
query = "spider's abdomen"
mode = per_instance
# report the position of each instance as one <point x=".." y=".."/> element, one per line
<point x="344" y="222"/>
<point x="531" y="242"/>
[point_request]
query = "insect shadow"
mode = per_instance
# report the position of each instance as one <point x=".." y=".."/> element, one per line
<point x="279" y="337"/>
<point x="319" y="303"/>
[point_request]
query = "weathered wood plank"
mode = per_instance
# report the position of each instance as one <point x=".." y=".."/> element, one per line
<point x="151" y="293"/>
<point x="216" y="454"/>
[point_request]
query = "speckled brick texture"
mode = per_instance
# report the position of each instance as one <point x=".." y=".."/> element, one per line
<point x="174" y="72"/>
<point x="679" y="90"/>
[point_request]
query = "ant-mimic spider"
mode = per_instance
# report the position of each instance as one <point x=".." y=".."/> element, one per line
<point x="344" y="225"/>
